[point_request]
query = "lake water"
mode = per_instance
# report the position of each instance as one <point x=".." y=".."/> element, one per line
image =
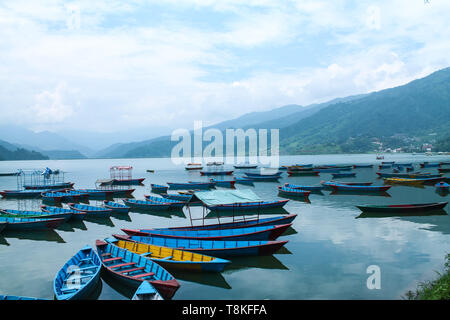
<point x="327" y="256"/>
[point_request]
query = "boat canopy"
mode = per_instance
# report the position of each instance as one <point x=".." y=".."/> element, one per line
<point x="218" y="197"/>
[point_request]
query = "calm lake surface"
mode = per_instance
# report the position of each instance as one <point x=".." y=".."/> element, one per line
<point x="327" y="256"/>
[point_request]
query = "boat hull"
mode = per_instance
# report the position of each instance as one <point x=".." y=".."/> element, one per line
<point x="404" y="208"/>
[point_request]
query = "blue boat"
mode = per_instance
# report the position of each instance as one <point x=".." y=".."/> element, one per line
<point x="30" y="223"/>
<point x="178" y="197"/>
<point x="342" y="187"/>
<point x="34" y="214"/>
<point x="96" y="193"/>
<point x="132" y="269"/>
<point x="91" y="211"/>
<point x="31" y="193"/>
<point x="147" y="205"/>
<point x="190" y="185"/>
<point x="293" y="192"/>
<point x="61" y="185"/>
<point x="146" y="292"/>
<point x="223" y="183"/>
<point x="75" y="215"/>
<point x="266" y="232"/>
<point x="240" y="224"/>
<point x="157" y="188"/>
<point x="116" y="207"/>
<point x="249" y="206"/>
<point x="262" y="174"/>
<point x="430" y="165"/>
<point x="64" y="196"/>
<point x="262" y="178"/>
<point x="172" y="203"/>
<point x="246" y="181"/>
<point x="355" y="166"/>
<point x="173" y="259"/>
<point x="214" y="248"/>
<point x="309" y="188"/>
<point x="79" y="276"/>
<point x="344" y="175"/>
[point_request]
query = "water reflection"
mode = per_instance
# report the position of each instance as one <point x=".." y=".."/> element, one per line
<point x="295" y="198"/>
<point x="77" y="224"/>
<point x="102" y="221"/>
<point x="121" y="216"/>
<point x="117" y="285"/>
<point x="157" y="213"/>
<point x="3" y="241"/>
<point x="260" y="262"/>
<point x="212" y="279"/>
<point x="406" y="214"/>
<point x="37" y="235"/>
<point x="356" y="193"/>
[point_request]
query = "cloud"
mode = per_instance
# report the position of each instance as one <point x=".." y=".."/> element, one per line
<point x="144" y="63"/>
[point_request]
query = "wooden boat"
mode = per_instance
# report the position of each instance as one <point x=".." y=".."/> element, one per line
<point x="62" y="185"/>
<point x="259" y="174"/>
<point x="217" y="173"/>
<point x="31" y="193"/>
<point x="343" y="187"/>
<point x="244" y="181"/>
<point x="410" y="182"/>
<point x="249" y="206"/>
<point x="147" y="205"/>
<point x="303" y="173"/>
<point x="96" y="193"/>
<point x="172" y="203"/>
<point x="8" y="174"/>
<point x="407" y="175"/>
<point x="170" y="258"/>
<point x="79" y="276"/>
<point x="293" y="192"/>
<point x="128" y="182"/>
<point x="262" y="178"/>
<point x="157" y="188"/>
<point x="444" y="170"/>
<point x="442" y="186"/>
<point x="344" y="175"/>
<point x="119" y="193"/>
<point x="295" y="169"/>
<point x="215" y="248"/>
<point x="190" y="185"/>
<point x="133" y="269"/>
<point x="64" y="196"/>
<point x="246" y="166"/>
<point x="75" y="214"/>
<point x="387" y="162"/>
<point x="309" y="188"/>
<point x="362" y="166"/>
<point x="215" y="163"/>
<point x="223" y="183"/>
<point x="151" y="171"/>
<point x="146" y="292"/>
<point x="329" y="183"/>
<point x="194" y="166"/>
<point x="116" y="207"/>
<point x="278" y="220"/>
<point x="384" y="166"/>
<point x="34" y="214"/>
<point x="404" y="208"/>
<point x="266" y="232"/>
<point x="30" y="223"/>
<point x="429" y="165"/>
<point x="178" y="197"/>
<point x="91" y="211"/>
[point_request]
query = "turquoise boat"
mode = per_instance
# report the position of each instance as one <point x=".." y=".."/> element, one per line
<point x="116" y="207"/>
<point x="266" y="232"/>
<point x="75" y="215"/>
<point x="30" y="223"/>
<point x="146" y="292"/>
<point x="147" y="205"/>
<point x="34" y="214"/>
<point x="79" y="276"/>
<point x="132" y="269"/>
<point x="214" y="248"/>
<point x="302" y="187"/>
<point x="157" y="188"/>
<point x="174" y="204"/>
<point x="91" y="211"/>
<point x="14" y="298"/>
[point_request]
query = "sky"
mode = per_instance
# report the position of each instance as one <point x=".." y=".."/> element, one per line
<point x="148" y="65"/>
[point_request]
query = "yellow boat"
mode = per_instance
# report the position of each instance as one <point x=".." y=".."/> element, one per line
<point x="411" y="182"/>
<point x="170" y="258"/>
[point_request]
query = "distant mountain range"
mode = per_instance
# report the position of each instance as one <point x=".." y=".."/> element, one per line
<point x="406" y="116"/>
<point x="11" y="152"/>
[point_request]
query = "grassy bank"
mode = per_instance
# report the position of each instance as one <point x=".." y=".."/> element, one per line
<point x="438" y="289"/>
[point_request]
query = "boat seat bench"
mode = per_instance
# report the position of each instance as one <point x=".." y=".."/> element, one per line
<point x="131" y="270"/>
<point x="144" y="275"/>
<point x="122" y="265"/>
<point x="112" y="259"/>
